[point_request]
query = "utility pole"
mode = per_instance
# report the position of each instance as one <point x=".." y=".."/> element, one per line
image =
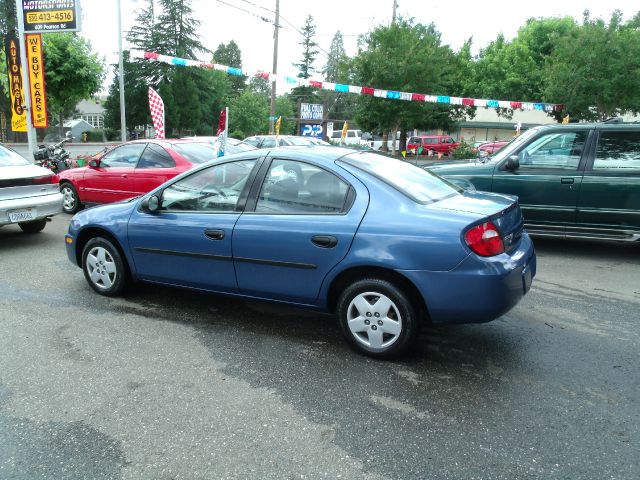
<point x="274" y="70"/>
<point x="31" y="132"/>
<point x="123" y="118"/>
<point x="395" y="6"/>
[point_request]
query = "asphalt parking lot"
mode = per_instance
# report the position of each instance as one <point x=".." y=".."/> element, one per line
<point x="171" y="384"/>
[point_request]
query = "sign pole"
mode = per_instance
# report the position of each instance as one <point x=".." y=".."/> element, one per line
<point x="31" y="132"/>
<point x="123" y="118"/>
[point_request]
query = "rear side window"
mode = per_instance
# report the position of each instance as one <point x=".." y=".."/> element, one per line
<point x="430" y="141"/>
<point x="196" y="152"/>
<point x="9" y="158"/>
<point x="418" y="184"/>
<point x="154" y="156"/>
<point x="618" y="150"/>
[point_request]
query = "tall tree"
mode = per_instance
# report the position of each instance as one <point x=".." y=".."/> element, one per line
<point x="305" y="67"/>
<point x="73" y="73"/>
<point x="595" y="71"/>
<point x="230" y="55"/>
<point x="177" y="30"/>
<point x="334" y="68"/>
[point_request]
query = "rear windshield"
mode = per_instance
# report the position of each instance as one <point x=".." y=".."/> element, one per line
<point x="196" y="152"/>
<point x="9" y="158"/>
<point x="418" y="184"/>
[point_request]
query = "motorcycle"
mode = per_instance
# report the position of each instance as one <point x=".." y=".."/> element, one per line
<point x="54" y="157"/>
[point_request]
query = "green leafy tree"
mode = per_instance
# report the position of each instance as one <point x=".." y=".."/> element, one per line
<point x="305" y="67"/>
<point x="285" y="109"/>
<point x="231" y="56"/>
<point x="334" y="69"/>
<point x="248" y="115"/>
<point x="404" y="57"/>
<point x="72" y="73"/>
<point x="337" y="106"/>
<point x="595" y="71"/>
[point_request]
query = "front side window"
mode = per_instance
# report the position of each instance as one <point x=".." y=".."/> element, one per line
<point x="214" y="189"/>
<point x="300" y="188"/>
<point x="155" y="156"/>
<point x="418" y="184"/>
<point x="560" y="150"/>
<point x="268" y="142"/>
<point x="124" y="156"/>
<point x="618" y="150"/>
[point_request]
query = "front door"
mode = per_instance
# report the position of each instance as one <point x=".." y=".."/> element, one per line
<point x="188" y="241"/>
<point x="547" y="182"/>
<point x="112" y="180"/>
<point x="302" y="225"/>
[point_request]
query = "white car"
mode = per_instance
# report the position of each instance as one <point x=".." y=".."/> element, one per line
<point x="29" y="194"/>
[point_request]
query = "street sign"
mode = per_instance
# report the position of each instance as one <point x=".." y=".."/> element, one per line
<point x="311" y="111"/>
<point x="42" y="16"/>
<point x="311" y="130"/>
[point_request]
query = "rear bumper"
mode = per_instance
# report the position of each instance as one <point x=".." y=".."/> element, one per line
<point x="46" y="206"/>
<point x="479" y="289"/>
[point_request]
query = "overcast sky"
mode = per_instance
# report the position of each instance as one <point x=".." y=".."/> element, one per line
<point x="457" y="21"/>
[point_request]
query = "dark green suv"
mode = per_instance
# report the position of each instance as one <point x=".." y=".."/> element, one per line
<point x="577" y="180"/>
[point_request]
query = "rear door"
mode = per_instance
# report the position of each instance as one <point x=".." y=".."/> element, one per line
<point x="112" y="180"/>
<point x="155" y="167"/>
<point x="299" y="225"/>
<point x="547" y="182"/>
<point x="610" y="193"/>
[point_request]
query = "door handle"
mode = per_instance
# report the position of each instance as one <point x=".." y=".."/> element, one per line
<point x="124" y="175"/>
<point x="324" y="241"/>
<point x="566" y="180"/>
<point x="214" y="234"/>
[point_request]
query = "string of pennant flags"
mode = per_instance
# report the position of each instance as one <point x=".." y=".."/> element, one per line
<point x="343" y="88"/>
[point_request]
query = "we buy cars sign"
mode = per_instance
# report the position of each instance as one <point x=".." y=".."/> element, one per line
<point x="41" y="16"/>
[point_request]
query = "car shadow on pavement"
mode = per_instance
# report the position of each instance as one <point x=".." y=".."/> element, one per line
<point x="589" y="249"/>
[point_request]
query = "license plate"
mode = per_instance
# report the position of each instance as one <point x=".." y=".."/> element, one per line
<point x="23" y="215"/>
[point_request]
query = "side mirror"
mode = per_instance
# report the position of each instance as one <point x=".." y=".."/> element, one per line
<point x="151" y="204"/>
<point x="94" y="163"/>
<point x="512" y="163"/>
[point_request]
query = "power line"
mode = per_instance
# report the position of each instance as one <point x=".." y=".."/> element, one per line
<point x="247" y="11"/>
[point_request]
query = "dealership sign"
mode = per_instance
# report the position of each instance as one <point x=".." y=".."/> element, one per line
<point x="16" y="89"/>
<point x="43" y="16"/>
<point x="36" y="81"/>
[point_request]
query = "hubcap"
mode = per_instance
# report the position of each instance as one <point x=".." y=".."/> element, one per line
<point x="386" y="328"/>
<point x="101" y="268"/>
<point x="69" y="199"/>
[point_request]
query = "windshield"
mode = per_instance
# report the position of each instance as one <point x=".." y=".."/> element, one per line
<point x="196" y="152"/>
<point x="507" y="150"/>
<point x="418" y="184"/>
<point x="9" y="158"/>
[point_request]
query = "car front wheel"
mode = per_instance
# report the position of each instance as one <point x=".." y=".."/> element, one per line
<point x="377" y="318"/>
<point x="70" y="199"/>
<point x="104" y="267"/>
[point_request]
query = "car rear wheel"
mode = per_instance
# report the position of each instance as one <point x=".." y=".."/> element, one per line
<point x="34" y="226"/>
<point x="70" y="199"/>
<point x="104" y="267"/>
<point x="377" y="318"/>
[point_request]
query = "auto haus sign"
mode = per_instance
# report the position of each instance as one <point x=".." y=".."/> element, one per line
<point x="43" y="16"/>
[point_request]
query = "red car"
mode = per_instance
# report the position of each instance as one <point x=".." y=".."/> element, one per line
<point x="490" y="148"/>
<point x="129" y="170"/>
<point x="432" y="144"/>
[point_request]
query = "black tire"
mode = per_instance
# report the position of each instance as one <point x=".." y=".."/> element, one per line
<point x="34" y="226"/>
<point x="71" y="201"/>
<point x="107" y="274"/>
<point x="402" y="306"/>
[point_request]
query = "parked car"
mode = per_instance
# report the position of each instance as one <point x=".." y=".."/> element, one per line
<point x="130" y="170"/>
<point x="269" y="141"/>
<point x="576" y="180"/>
<point x="489" y="148"/>
<point x="382" y="243"/>
<point x="432" y="144"/>
<point x="353" y="137"/>
<point x="376" y="142"/>
<point x="29" y="194"/>
<point x="231" y="147"/>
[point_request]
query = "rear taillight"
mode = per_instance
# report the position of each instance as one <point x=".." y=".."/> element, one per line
<point x="45" y="180"/>
<point x="485" y="240"/>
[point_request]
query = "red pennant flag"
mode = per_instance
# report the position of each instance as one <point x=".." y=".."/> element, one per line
<point x="156" y="105"/>
<point x="222" y="123"/>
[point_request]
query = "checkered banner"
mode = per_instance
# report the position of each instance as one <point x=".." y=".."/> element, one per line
<point x="156" y="105"/>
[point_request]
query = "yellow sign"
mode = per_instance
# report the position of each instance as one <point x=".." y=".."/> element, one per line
<point x="36" y="81"/>
<point x="565" y="120"/>
<point x="344" y="130"/>
<point x="16" y="90"/>
<point x="50" y="17"/>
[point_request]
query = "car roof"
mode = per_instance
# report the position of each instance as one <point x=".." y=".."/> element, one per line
<point x="319" y="153"/>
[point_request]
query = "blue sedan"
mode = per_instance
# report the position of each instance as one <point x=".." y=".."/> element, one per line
<point x="384" y="245"/>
